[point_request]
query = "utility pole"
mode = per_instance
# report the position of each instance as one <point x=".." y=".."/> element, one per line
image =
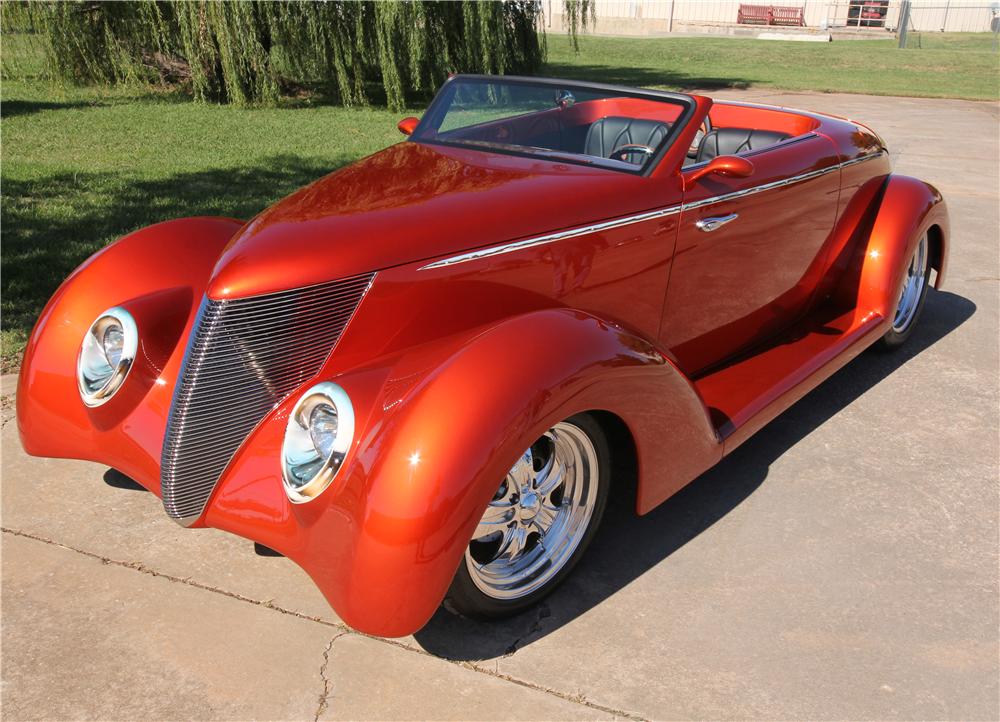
<point x="904" y="21"/>
<point x="995" y="23"/>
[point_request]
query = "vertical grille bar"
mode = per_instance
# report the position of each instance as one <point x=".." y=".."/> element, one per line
<point x="244" y="356"/>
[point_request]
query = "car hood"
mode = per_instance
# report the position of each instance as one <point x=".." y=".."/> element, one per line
<point x="411" y="202"/>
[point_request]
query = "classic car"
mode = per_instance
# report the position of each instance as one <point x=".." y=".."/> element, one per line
<point x="411" y="377"/>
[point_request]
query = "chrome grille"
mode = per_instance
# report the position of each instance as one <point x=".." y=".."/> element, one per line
<point x="243" y="358"/>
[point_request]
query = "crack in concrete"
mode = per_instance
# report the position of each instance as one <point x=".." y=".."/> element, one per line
<point x="324" y="698"/>
<point x="536" y="626"/>
<point x="142" y="568"/>
<point x="495" y="672"/>
<point x="7" y="412"/>
<point x="342" y="628"/>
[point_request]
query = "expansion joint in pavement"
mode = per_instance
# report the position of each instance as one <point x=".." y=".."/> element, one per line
<point x="343" y="630"/>
<point x="140" y="567"/>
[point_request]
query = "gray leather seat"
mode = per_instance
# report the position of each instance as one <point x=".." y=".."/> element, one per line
<point x="730" y="141"/>
<point x="612" y="132"/>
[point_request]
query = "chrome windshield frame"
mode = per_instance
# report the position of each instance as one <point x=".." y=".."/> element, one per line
<point x="436" y="111"/>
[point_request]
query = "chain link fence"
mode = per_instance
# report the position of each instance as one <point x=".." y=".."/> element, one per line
<point x="861" y="17"/>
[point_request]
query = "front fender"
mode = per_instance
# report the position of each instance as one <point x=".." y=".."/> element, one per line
<point x="384" y="545"/>
<point x="158" y="274"/>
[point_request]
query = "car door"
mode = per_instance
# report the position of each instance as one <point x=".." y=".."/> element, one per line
<point x="748" y="251"/>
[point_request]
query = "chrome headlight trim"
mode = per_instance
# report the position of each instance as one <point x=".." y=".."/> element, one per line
<point x="299" y="452"/>
<point x="97" y="378"/>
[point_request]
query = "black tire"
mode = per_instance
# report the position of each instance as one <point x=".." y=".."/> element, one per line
<point x="466" y="598"/>
<point x="896" y="337"/>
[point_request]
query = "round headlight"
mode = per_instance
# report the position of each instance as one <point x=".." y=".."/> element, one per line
<point x="319" y="434"/>
<point x="106" y="355"/>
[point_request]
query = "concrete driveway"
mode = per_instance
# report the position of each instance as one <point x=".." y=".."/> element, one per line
<point x="842" y="564"/>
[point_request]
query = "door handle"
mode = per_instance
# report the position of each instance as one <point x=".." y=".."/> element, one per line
<point x="713" y="224"/>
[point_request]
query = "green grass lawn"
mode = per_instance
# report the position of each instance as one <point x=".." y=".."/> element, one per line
<point x="948" y="65"/>
<point x="80" y="167"/>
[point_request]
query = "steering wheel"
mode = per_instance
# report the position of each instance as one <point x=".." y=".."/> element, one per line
<point x="622" y="152"/>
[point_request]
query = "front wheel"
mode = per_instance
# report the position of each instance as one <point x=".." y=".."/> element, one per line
<point x="911" y="297"/>
<point x="539" y="522"/>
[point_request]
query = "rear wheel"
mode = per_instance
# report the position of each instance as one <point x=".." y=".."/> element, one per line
<point x="911" y="297"/>
<point x="542" y="517"/>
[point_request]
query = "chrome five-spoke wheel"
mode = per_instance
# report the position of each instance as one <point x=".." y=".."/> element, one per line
<point x="540" y="519"/>
<point x="913" y="288"/>
<point x="911" y="295"/>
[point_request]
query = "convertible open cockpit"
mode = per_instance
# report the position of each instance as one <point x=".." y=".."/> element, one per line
<point x="411" y="376"/>
<point x="628" y="131"/>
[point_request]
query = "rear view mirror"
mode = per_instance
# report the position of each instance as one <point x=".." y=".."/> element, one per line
<point x="407" y="125"/>
<point x="727" y="165"/>
<point x="565" y="99"/>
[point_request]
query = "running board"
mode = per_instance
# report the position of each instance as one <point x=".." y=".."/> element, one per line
<point x="747" y="393"/>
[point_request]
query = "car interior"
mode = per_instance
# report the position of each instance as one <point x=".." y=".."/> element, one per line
<point x="628" y="131"/>
<point x="621" y="138"/>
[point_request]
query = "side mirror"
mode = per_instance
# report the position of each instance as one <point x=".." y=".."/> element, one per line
<point x="728" y="165"/>
<point x="407" y="125"/>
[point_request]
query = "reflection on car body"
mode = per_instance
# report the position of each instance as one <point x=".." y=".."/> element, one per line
<point x="405" y="376"/>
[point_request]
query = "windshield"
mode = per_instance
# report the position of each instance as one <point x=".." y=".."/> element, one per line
<point x="593" y="125"/>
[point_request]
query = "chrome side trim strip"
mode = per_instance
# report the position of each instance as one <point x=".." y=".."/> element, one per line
<point x="648" y="215"/>
<point x="862" y="159"/>
<point x="552" y="237"/>
<point x="764" y="187"/>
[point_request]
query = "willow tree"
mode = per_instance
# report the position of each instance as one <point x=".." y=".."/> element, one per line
<point x="247" y="52"/>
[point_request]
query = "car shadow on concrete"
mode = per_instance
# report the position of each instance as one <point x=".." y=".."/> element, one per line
<point x="117" y="480"/>
<point x="627" y="546"/>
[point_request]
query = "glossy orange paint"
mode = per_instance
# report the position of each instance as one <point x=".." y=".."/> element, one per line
<point x="159" y="275"/>
<point x="405" y="507"/>
<point x="408" y="125"/>
<point x="753" y="389"/>
<point x="374" y="215"/>
<point x="455" y="364"/>
<point x="726" y="165"/>
<point x="733" y="288"/>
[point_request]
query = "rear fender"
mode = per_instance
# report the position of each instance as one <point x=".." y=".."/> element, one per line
<point x="383" y="546"/>
<point x="158" y="274"/>
<point x="908" y="209"/>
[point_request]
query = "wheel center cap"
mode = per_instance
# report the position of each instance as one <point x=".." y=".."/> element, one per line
<point x="530" y="504"/>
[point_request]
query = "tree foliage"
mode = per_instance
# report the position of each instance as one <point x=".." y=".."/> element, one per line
<point x="249" y="52"/>
<point x="577" y="15"/>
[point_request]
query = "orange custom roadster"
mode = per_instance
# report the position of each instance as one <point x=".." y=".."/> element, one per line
<point x="405" y="376"/>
